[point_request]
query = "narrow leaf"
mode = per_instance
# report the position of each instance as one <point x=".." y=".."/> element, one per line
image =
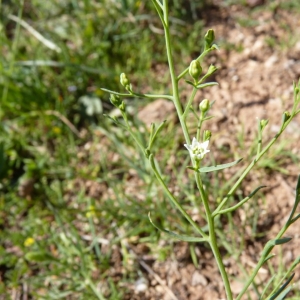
<point x="269" y="257"/>
<point x="39" y="256"/>
<point x="190" y="82"/>
<point x="298" y="186"/>
<point x="280" y="241"/>
<point x="281" y="292"/>
<point x="114" y="93"/>
<point x="208" y="118"/>
<point x="175" y="235"/>
<point x="203" y="85"/>
<point x="218" y="167"/>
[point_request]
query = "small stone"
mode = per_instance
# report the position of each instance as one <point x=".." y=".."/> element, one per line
<point x="198" y="278"/>
<point x="141" y="285"/>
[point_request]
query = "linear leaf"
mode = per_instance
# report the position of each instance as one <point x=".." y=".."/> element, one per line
<point x="204" y="85"/>
<point x="218" y="167"/>
<point x="281" y="292"/>
<point x="175" y="235"/>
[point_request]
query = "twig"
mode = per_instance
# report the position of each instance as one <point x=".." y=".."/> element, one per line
<point x="64" y="120"/>
<point x="36" y="34"/>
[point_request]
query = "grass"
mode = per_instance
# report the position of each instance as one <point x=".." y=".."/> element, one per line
<point x="75" y="191"/>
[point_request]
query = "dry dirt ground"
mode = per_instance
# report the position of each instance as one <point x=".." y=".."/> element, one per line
<point x="258" y="64"/>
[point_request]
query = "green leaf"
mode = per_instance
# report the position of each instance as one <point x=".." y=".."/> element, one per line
<point x="175" y="235"/>
<point x="115" y="93"/>
<point x="269" y="257"/>
<point x="208" y="118"/>
<point x="190" y="82"/>
<point x="280" y="241"/>
<point x="204" y="85"/>
<point x="282" y="292"/>
<point x="298" y="186"/>
<point x="218" y="167"/>
<point x="39" y="256"/>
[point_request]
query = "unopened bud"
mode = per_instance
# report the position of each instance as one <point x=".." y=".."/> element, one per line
<point x="195" y="69"/>
<point x="212" y="69"/>
<point x="122" y="106"/>
<point x="204" y="105"/>
<point x="124" y="80"/>
<point x="115" y="100"/>
<point x="209" y="38"/>
<point x="286" y="116"/>
<point x="206" y="135"/>
<point x="263" y="124"/>
<point x="297" y="90"/>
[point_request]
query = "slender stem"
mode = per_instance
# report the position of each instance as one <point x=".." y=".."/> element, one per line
<point x="252" y="164"/>
<point x="268" y="249"/>
<point x="200" y="122"/>
<point x="187" y="108"/>
<point x="12" y="56"/>
<point x="213" y="239"/>
<point x="174" y="79"/>
<point x="131" y="132"/>
<point x="259" y="139"/>
<point x="147" y="96"/>
<point x="173" y="199"/>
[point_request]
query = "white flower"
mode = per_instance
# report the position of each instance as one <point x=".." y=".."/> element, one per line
<point x="197" y="150"/>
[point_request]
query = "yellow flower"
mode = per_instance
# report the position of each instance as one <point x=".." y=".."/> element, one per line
<point x="91" y="212"/>
<point x="29" y="241"/>
<point x="56" y="130"/>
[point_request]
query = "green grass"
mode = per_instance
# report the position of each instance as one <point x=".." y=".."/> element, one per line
<point x="74" y="188"/>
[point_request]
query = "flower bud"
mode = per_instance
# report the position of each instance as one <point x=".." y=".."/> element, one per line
<point x="122" y="106"/>
<point x="124" y="80"/>
<point x="204" y="105"/>
<point x="195" y="69"/>
<point x="212" y="69"/>
<point x="206" y="135"/>
<point x="297" y="90"/>
<point x="286" y="116"/>
<point x="263" y="124"/>
<point x="115" y="100"/>
<point x="209" y="38"/>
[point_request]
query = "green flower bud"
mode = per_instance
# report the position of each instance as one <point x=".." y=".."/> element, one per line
<point x="286" y="116"/>
<point x="206" y="135"/>
<point x="204" y="105"/>
<point x="115" y="100"/>
<point x="297" y="90"/>
<point x="122" y="106"/>
<point x="263" y="124"/>
<point x="209" y="38"/>
<point x="124" y="80"/>
<point x="211" y="70"/>
<point x="195" y="69"/>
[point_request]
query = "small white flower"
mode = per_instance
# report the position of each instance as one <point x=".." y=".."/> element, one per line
<point x="197" y="150"/>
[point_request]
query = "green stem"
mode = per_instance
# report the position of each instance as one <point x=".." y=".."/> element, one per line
<point x="173" y="199"/>
<point x="213" y="239"/>
<point x="131" y="95"/>
<point x="12" y="55"/>
<point x="131" y="132"/>
<point x="259" y="139"/>
<point x="187" y="108"/>
<point x="252" y="164"/>
<point x="269" y="248"/>
<point x="174" y="79"/>
<point x="200" y="122"/>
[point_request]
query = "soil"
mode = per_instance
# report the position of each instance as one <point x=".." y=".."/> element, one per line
<point x="258" y="64"/>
